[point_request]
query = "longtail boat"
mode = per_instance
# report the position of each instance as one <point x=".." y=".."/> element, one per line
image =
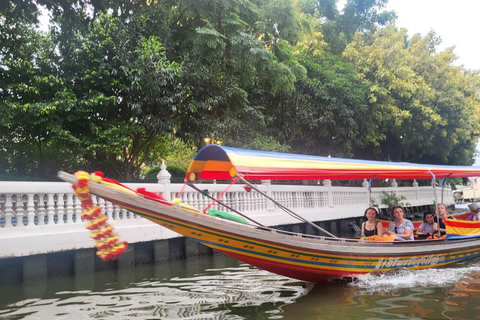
<point x="300" y="256"/>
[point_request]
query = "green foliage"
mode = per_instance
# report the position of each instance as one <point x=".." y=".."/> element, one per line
<point x="361" y="16"/>
<point x="391" y="199"/>
<point x="178" y="174"/>
<point x="421" y="103"/>
<point x="327" y="113"/>
<point x="121" y="86"/>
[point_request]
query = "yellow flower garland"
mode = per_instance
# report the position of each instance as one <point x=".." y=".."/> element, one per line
<point x="106" y="241"/>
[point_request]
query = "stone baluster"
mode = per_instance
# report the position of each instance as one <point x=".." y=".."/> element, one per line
<point x="164" y="179"/>
<point x="247" y="200"/>
<point x="196" y="200"/>
<point x="8" y="211"/>
<point x="41" y="209"/>
<point x="235" y="201"/>
<point x="228" y="200"/>
<point x="417" y="191"/>
<point x="19" y="211"/>
<point x="77" y="209"/>
<point x="69" y="208"/>
<point x="30" y="210"/>
<point x="60" y="208"/>
<point x="123" y="213"/>
<point x="116" y="213"/>
<point x="101" y="204"/>
<point x="50" y="209"/>
<point x="109" y="210"/>
<point x="204" y="201"/>
<point x="269" y="203"/>
<point x="241" y="201"/>
<point x="189" y="199"/>
<point x="328" y="183"/>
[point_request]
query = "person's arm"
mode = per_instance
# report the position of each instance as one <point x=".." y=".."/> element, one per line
<point x="390" y="229"/>
<point x="363" y="230"/>
<point x="407" y="234"/>
<point x="435" y="227"/>
<point x="380" y="230"/>
<point x="420" y="229"/>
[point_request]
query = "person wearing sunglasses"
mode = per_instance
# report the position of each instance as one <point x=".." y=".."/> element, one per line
<point x="401" y="229"/>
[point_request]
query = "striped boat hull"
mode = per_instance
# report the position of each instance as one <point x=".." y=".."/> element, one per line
<point x="304" y="257"/>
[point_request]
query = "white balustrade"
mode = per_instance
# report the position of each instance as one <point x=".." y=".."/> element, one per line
<point x="34" y="211"/>
<point x="53" y="205"/>
<point x="33" y="204"/>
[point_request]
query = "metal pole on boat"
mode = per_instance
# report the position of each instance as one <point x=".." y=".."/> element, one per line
<point x="441" y="183"/>
<point x="434" y="184"/>
<point x="286" y="209"/>
<point x="223" y="204"/>
<point x="370" y="191"/>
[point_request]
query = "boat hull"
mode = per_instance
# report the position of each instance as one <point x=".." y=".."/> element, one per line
<point x="303" y="257"/>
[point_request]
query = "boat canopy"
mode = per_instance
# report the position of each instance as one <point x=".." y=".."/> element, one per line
<point x="224" y="163"/>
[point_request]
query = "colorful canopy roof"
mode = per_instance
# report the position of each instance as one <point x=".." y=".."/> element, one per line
<point x="223" y="163"/>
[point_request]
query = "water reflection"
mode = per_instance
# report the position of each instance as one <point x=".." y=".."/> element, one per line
<point x="424" y="294"/>
<point x="218" y="287"/>
<point x="214" y="287"/>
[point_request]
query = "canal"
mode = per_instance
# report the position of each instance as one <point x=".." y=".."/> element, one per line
<point x="218" y="287"/>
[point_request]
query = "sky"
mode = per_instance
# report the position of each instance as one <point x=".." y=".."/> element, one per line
<point x="456" y="22"/>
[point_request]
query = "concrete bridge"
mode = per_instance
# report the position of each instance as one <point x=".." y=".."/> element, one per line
<point x="38" y="218"/>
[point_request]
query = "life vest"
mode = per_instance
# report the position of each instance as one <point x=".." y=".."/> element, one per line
<point x="435" y="236"/>
<point x="378" y="238"/>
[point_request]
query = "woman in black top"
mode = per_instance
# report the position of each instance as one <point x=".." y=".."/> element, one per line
<point x="443" y="214"/>
<point x="371" y="227"/>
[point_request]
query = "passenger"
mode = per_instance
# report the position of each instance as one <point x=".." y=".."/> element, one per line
<point x="371" y="227"/>
<point x="443" y="214"/>
<point x="474" y="211"/>
<point x="401" y="229"/>
<point x="428" y="226"/>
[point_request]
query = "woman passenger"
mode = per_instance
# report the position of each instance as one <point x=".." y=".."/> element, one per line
<point x="401" y="229"/>
<point x="442" y="212"/>
<point x="371" y="227"/>
<point x="474" y="210"/>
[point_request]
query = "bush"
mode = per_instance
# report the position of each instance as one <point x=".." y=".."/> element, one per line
<point x="390" y="199"/>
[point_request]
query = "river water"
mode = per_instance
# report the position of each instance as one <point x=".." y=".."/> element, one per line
<point x="218" y="287"/>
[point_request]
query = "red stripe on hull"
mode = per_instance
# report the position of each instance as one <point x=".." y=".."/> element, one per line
<point x="292" y="271"/>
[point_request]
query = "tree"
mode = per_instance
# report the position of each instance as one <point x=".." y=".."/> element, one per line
<point x="408" y="81"/>
<point x="31" y="90"/>
<point x="326" y="114"/>
<point x="127" y="91"/>
<point x="357" y="16"/>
